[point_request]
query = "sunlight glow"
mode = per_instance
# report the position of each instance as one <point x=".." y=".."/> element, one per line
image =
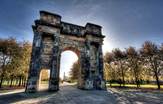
<point x="67" y="60"/>
<point x="107" y="45"/>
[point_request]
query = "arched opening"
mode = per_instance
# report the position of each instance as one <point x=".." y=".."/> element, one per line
<point x="68" y="59"/>
<point x="44" y="79"/>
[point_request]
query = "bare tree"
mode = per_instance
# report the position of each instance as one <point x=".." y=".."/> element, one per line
<point x="120" y="59"/>
<point x="152" y="59"/>
<point x="109" y="70"/>
<point x="134" y="64"/>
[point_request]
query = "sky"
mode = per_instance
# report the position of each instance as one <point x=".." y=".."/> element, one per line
<point x="125" y="22"/>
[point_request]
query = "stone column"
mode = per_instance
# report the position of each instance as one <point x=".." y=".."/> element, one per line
<point x="54" y="71"/>
<point x="85" y="65"/>
<point x="102" y="84"/>
<point x="82" y="76"/>
<point x="34" y="71"/>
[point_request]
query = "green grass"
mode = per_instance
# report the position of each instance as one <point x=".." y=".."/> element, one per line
<point x="134" y="85"/>
<point x="44" y="82"/>
<point x="5" y="83"/>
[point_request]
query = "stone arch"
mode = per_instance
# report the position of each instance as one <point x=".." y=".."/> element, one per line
<point x="42" y="75"/>
<point x="77" y="52"/>
<point x="53" y="36"/>
<point x="69" y="60"/>
<point x="73" y="49"/>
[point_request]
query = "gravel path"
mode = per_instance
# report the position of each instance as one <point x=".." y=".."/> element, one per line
<point x="69" y="94"/>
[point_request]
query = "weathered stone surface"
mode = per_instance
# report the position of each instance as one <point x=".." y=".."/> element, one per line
<point x="53" y="36"/>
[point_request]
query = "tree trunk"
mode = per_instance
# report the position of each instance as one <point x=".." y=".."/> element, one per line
<point x="157" y="80"/>
<point x="136" y="79"/>
<point x="122" y="72"/>
<point x="22" y="82"/>
<point x="137" y="83"/>
<point x="1" y="81"/>
<point x="123" y="79"/>
<point x="110" y="83"/>
<point x="19" y="81"/>
<point x="155" y="64"/>
<point x="120" y="82"/>
<point x="11" y="82"/>
<point x="8" y="82"/>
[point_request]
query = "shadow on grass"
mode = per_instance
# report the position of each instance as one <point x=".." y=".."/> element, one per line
<point x="134" y="96"/>
<point x="137" y="88"/>
<point x="20" y="96"/>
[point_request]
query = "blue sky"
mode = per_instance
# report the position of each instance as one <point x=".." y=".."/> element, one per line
<point x="124" y="22"/>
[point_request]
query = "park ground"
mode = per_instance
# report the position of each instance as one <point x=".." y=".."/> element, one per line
<point x="69" y="94"/>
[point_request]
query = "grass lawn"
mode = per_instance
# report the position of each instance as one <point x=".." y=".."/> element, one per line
<point x="7" y="83"/>
<point x="134" y="86"/>
<point x="4" y="91"/>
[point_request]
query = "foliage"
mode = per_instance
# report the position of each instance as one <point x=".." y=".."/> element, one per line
<point x="75" y="71"/>
<point x="120" y="63"/>
<point x="14" y="59"/>
<point x="152" y="59"/>
<point x="135" y="66"/>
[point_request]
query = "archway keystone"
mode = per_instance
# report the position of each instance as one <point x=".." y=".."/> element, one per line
<point x="51" y="37"/>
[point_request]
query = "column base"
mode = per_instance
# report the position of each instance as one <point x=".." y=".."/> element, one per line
<point x="53" y="85"/>
<point x="94" y="85"/>
<point x="88" y="84"/>
<point x="32" y="85"/>
<point x="53" y="88"/>
<point x="102" y="85"/>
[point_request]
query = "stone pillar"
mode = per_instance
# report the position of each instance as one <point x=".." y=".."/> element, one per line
<point x="101" y="84"/>
<point x="88" y="81"/>
<point x="34" y="71"/>
<point x="81" y="79"/>
<point x="54" y="71"/>
<point x="84" y="62"/>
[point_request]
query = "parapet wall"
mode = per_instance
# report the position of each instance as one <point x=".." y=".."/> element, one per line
<point x="54" y="20"/>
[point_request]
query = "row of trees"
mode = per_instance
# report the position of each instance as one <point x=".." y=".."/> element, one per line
<point x="14" y="61"/>
<point x="135" y="66"/>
